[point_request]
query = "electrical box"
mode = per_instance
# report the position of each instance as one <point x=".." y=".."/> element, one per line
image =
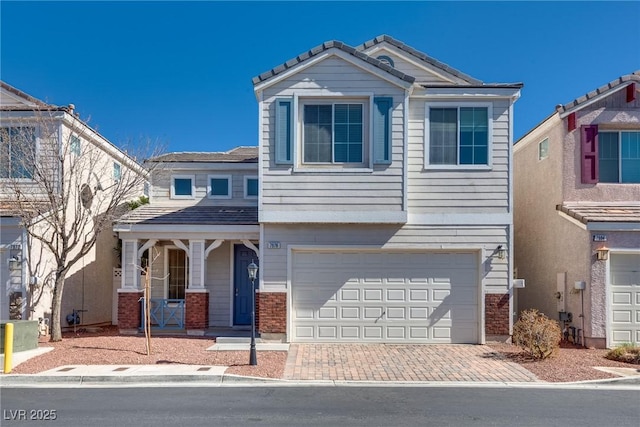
<point x="518" y="283"/>
<point x="580" y="285"/>
<point x="566" y="316"/>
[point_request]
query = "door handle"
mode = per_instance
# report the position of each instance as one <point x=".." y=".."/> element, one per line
<point x="236" y="291"/>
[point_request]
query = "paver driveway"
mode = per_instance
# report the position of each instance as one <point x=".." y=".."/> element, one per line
<point x="395" y="362"/>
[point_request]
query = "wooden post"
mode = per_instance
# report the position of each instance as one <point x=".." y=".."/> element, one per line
<point x="147" y="309"/>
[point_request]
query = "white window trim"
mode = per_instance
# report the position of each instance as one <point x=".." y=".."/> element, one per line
<point x="246" y="186"/>
<point x="229" y="186"/>
<point x="324" y="97"/>
<point x="488" y="106"/>
<point x="193" y="187"/>
<point x="540" y="145"/>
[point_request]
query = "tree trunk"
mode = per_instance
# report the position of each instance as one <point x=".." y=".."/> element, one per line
<point x="56" y="306"/>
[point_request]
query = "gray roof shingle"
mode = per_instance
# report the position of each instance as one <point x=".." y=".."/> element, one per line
<point x="191" y="215"/>
<point x="324" y="47"/>
<point x="419" y="55"/>
<point x="633" y="77"/>
<point x="602" y="212"/>
<point x="236" y="155"/>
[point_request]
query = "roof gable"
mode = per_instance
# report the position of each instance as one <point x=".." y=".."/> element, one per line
<point x="14" y="99"/>
<point x="600" y="93"/>
<point x="331" y="47"/>
<point x="427" y="69"/>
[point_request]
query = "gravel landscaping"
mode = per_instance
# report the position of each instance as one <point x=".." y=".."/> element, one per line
<point x="107" y="347"/>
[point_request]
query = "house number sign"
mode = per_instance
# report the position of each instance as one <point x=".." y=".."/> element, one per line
<point x="599" y="237"/>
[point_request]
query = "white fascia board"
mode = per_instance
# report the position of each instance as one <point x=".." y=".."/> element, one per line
<point x="536" y="133"/>
<point x="332" y="217"/>
<point x="460" y="219"/>
<point x="594" y="99"/>
<point x="463" y="92"/>
<point x="175" y="167"/>
<point x="572" y="220"/>
<point x="321" y="57"/>
<point x="161" y="231"/>
<point x="613" y="226"/>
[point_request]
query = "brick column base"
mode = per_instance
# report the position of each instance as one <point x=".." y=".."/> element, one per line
<point x="271" y="314"/>
<point x="196" y="316"/>
<point x="129" y="311"/>
<point x="496" y="314"/>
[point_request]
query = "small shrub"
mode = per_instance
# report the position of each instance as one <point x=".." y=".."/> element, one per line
<point x="537" y="334"/>
<point x="628" y="353"/>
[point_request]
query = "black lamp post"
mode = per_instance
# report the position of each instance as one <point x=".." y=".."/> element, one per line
<point x="253" y="273"/>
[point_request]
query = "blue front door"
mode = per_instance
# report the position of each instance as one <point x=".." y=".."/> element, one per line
<point x="242" y="285"/>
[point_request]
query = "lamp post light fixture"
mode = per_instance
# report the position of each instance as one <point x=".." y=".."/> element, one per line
<point x="253" y="273"/>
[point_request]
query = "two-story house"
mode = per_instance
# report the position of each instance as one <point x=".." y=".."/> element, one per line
<point x="577" y="216"/>
<point x="197" y="235"/>
<point x="57" y="172"/>
<point x="385" y="203"/>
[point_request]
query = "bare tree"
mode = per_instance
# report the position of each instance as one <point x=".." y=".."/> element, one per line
<point x="67" y="184"/>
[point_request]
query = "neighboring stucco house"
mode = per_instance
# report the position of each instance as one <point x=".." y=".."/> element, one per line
<point x="577" y="214"/>
<point x="43" y="147"/>
<point x="198" y="234"/>
<point x="385" y="203"/>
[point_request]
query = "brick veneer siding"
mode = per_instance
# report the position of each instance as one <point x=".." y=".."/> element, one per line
<point x="496" y="308"/>
<point x="129" y="312"/>
<point x="271" y="312"/>
<point x="196" y="316"/>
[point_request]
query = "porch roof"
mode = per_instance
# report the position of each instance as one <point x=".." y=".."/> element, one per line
<point x="602" y="212"/>
<point x="191" y="215"/>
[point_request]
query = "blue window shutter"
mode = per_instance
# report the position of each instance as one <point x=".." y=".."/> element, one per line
<point x="382" y="130"/>
<point x="283" y="131"/>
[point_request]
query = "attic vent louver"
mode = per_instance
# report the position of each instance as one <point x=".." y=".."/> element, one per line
<point x="386" y="60"/>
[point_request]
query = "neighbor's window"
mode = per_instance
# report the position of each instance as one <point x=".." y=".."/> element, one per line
<point x="250" y="187"/>
<point x="75" y="145"/>
<point x="457" y="135"/>
<point x="17" y="152"/>
<point x="219" y="187"/>
<point x="182" y="187"/>
<point x="619" y="157"/>
<point x="333" y="133"/>
<point x="117" y="171"/>
<point x="543" y="149"/>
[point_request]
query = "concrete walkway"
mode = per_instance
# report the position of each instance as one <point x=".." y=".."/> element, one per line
<point x="395" y="362"/>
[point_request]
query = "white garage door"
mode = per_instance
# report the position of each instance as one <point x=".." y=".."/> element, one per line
<point x="384" y="297"/>
<point x="624" y="299"/>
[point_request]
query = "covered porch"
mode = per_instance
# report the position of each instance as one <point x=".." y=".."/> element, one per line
<point x="193" y="261"/>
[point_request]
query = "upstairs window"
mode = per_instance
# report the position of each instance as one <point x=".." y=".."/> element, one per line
<point x="250" y="187"/>
<point x="457" y="135"/>
<point x="117" y="171"/>
<point x="74" y="145"/>
<point x="345" y="133"/>
<point x="543" y="149"/>
<point x="619" y="157"/>
<point x="333" y="133"/>
<point x="17" y="152"/>
<point x="219" y="187"/>
<point x="182" y="187"/>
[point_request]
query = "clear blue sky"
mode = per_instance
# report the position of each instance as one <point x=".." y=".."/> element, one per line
<point x="180" y="73"/>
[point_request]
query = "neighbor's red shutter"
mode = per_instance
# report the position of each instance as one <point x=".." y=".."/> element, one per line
<point x="631" y="92"/>
<point x="589" y="153"/>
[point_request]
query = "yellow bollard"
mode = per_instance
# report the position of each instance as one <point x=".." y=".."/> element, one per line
<point x="8" y="348"/>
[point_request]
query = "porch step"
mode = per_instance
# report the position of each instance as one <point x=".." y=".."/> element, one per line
<point x="235" y="340"/>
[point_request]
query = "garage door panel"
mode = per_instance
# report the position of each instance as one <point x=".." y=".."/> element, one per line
<point x="624" y="299"/>
<point x="402" y="296"/>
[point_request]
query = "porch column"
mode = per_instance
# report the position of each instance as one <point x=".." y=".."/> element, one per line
<point x="196" y="296"/>
<point x="130" y="293"/>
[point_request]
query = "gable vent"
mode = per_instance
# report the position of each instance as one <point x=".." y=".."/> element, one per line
<point x="386" y="60"/>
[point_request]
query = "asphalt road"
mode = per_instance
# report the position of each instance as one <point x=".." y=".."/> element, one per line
<point x="319" y="406"/>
